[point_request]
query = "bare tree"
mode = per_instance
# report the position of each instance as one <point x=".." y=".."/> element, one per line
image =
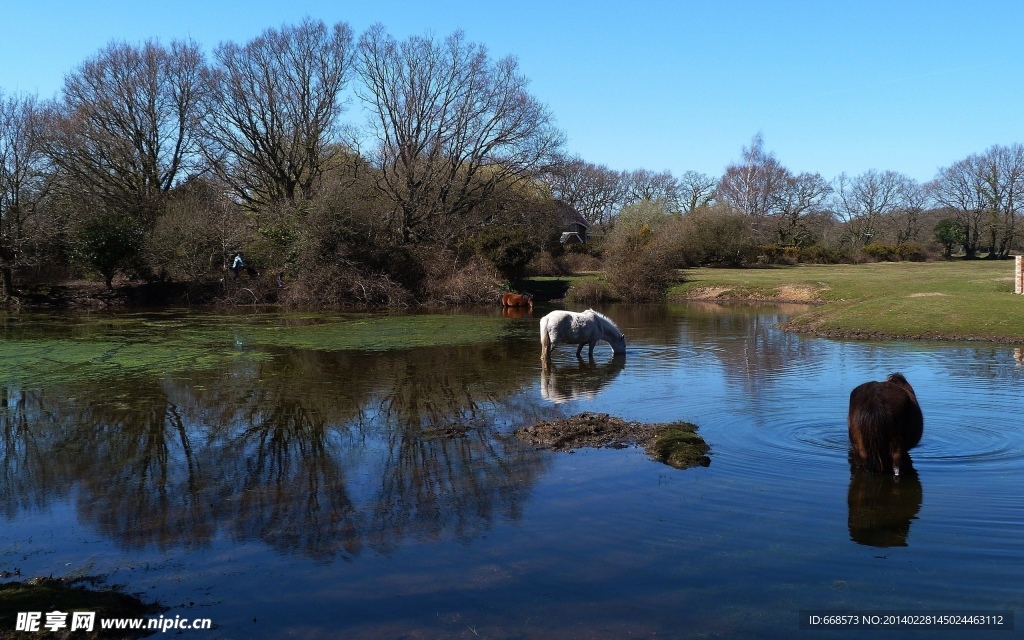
<point x="596" y="191"/>
<point x="124" y="128"/>
<point x="1002" y="179"/>
<point x="696" y="190"/>
<point x="752" y="185"/>
<point x="452" y="127"/>
<point x="23" y="181"/>
<point x="796" y="197"/>
<point x="272" y="118"/>
<point x="868" y="201"/>
<point x="961" y="189"/>
<point x="643" y="184"/>
<point x="908" y="221"/>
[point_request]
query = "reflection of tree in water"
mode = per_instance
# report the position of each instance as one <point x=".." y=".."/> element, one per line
<point x="450" y="484"/>
<point x="140" y="476"/>
<point x="447" y="468"/>
<point x="315" y="453"/>
<point x="581" y="380"/>
<point x="285" y="478"/>
<point x="752" y="350"/>
<point x="984" y="362"/>
<point x="29" y="476"/>
<point x="658" y="323"/>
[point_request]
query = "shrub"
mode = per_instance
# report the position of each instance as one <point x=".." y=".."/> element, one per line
<point x="910" y="252"/>
<point x="590" y="291"/>
<point x="344" y="284"/>
<point x="904" y="251"/>
<point x="546" y="264"/>
<point x="111" y="243"/>
<point x="509" y="250"/>
<point x="184" y="245"/>
<point x="715" y="236"/>
<point x="449" y="282"/>
<point x="819" y="254"/>
<point x="579" y="262"/>
<point x="880" y="251"/>
<point x="638" y="266"/>
<point x="641" y="277"/>
<point x="778" y="254"/>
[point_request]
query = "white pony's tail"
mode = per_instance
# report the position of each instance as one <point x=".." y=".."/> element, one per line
<point x="545" y="338"/>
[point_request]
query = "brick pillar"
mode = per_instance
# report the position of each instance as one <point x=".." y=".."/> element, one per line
<point x="1018" y="274"/>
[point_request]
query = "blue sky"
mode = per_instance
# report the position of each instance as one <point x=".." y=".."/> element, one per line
<point x="833" y="86"/>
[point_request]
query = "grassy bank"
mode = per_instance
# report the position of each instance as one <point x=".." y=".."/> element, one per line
<point x="960" y="300"/>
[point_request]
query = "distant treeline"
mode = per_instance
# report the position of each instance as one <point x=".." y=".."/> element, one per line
<point x="369" y="171"/>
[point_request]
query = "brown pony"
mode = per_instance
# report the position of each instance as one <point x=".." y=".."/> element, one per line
<point x="885" y="421"/>
<point x="517" y="300"/>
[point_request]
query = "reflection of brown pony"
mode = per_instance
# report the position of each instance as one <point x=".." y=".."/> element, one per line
<point x="885" y="422"/>
<point x="517" y="312"/>
<point x="517" y="300"/>
<point x="881" y="507"/>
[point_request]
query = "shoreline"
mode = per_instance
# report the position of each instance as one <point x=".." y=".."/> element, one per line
<point x="725" y="295"/>
<point x="931" y="311"/>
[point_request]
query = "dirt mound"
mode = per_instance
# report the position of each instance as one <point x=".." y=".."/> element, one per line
<point x="675" y="443"/>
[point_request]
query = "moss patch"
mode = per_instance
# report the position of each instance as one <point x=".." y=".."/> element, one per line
<point x="675" y="444"/>
<point x="47" y="595"/>
<point x="678" y="446"/>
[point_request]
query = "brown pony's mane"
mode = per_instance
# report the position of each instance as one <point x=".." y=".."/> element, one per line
<point x="897" y="379"/>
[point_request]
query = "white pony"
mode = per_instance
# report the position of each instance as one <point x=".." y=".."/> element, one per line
<point x="580" y="329"/>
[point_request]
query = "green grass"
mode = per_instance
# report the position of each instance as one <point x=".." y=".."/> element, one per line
<point x="944" y="300"/>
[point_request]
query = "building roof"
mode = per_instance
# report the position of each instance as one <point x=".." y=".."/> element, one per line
<point x="570" y="214"/>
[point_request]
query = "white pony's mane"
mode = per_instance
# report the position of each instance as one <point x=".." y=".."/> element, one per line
<point x="605" y="319"/>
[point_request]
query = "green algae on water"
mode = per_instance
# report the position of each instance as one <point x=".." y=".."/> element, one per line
<point x="57" y="349"/>
<point x="381" y="333"/>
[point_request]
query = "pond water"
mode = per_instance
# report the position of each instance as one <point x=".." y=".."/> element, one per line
<point x="311" y="476"/>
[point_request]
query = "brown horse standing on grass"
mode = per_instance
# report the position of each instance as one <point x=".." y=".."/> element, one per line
<point x="885" y="422"/>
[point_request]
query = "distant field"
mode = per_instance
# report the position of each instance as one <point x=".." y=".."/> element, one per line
<point x="962" y="300"/>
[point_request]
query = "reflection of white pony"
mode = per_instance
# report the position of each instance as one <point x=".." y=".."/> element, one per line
<point x="579" y="328"/>
<point x="580" y="381"/>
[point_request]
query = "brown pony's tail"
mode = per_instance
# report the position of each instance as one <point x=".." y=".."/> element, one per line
<point x="869" y="432"/>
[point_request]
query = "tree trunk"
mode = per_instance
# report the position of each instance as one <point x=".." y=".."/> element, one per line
<point x="8" y="283"/>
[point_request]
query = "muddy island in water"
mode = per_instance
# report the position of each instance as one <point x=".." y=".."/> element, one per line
<point x="45" y="595"/>
<point x="675" y="443"/>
